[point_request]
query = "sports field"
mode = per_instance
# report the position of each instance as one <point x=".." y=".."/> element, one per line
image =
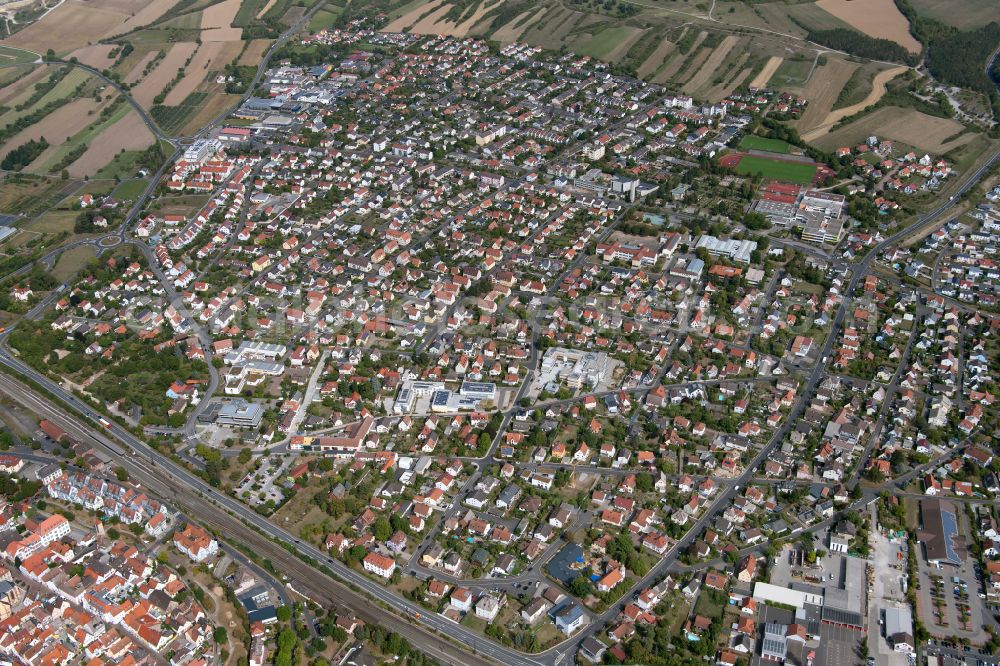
<point x="789" y="172"/>
<point x="751" y="142"/>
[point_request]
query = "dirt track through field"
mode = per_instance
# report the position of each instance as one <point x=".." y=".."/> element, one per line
<point x="822" y="90"/>
<point x="879" y="82"/>
<point x="129" y="133"/>
<point x="770" y="67"/>
<point x="908" y="126"/>
<point x="876" y="18"/>
<point x="265" y="9"/>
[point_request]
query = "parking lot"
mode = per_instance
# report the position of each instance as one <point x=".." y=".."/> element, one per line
<point x="949" y="600"/>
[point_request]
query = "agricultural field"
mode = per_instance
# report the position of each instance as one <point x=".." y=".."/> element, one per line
<point x="216" y="22"/>
<point x="70" y="26"/>
<point x="97" y="56"/>
<point x="57" y="126"/>
<point x="822" y="90"/>
<point x="874" y="94"/>
<point x="790" y="172"/>
<point x="127" y="133"/>
<point x="149" y="13"/>
<point x="905" y="126"/>
<point x="876" y="18"/>
<point x="764" y="75"/>
<point x="966" y="14"/>
<point x="164" y="72"/>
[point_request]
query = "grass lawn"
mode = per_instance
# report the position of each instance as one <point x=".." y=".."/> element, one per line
<point x="605" y="42"/>
<point x="790" y="172"/>
<point x="71" y="261"/>
<point x="751" y="142"/>
<point x="325" y="18"/>
<point x="10" y="55"/>
<point x="54" y="222"/>
<point x="707" y="606"/>
<point x="472" y="622"/>
<point x="130" y="189"/>
<point x="791" y="72"/>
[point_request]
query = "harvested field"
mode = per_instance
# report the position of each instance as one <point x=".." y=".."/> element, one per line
<point x="428" y="24"/>
<point x="708" y="69"/>
<point x="551" y="32"/>
<point x="878" y="89"/>
<point x="822" y="90"/>
<point x="720" y="92"/>
<point x="510" y="32"/>
<point x="216" y="20"/>
<point x="435" y="23"/>
<point x="16" y="88"/>
<point x="150" y="12"/>
<point x="400" y="23"/>
<point x="463" y="28"/>
<point x="760" y="81"/>
<point x="97" y="56"/>
<point x="906" y="126"/>
<point x="876" y="18"/>
<point x="62" y="123"/>
<point x="655" y="59"/>
<point x="692" y="64"/>
<point x="212" y="56"/>
<point x="165" y="71"/>
<point x="69" y="26"/>
<point x="254" y="52"/>
<point x="129" y="133"/>
<point x="61" y="91"/>
<point x="213" y="105"/>
<point x="672" y="67"/>
<point x="136" y="72"/>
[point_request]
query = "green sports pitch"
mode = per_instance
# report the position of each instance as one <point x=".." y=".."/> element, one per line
<point x="789" y="172"/>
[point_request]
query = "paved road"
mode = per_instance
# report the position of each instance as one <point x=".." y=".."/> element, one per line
<point x="242" y="525"/>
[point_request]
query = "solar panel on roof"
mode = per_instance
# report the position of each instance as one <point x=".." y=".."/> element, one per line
<point x="949" y="525"/>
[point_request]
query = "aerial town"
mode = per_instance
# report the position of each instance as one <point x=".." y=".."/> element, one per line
<point x="435" y="350"/>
